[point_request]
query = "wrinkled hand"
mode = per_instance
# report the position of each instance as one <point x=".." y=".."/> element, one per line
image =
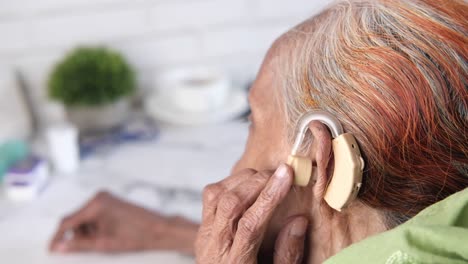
<point x="108" y="224"/>
<point x="236" y="213"/>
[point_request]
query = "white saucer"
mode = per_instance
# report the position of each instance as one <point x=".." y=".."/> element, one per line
<point x="161" y="108"/>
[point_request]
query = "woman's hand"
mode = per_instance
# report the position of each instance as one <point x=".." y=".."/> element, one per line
<point x="108" y="224"/>
<point x="236" y="213"/>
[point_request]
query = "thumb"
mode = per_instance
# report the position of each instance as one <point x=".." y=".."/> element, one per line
<point x="76" y="245"/>
<point x="289" y="246"/>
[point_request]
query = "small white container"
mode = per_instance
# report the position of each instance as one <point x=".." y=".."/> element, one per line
<point x="62" y="142"/>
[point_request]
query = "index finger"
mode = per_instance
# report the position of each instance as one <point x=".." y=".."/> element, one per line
<point x="253" y="224"/>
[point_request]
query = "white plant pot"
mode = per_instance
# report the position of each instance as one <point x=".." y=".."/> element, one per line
<point x="99" y="118"/>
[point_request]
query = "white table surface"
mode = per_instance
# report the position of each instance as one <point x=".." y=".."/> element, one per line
<point x="180" y="161"/>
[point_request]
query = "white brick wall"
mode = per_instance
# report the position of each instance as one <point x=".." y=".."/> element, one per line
<point x="15" y="36"/>
<point x="153" y="34"/>
<point x="88" y="27"/>
<point x="302" y="9"/>
<point x="186" y="15"/>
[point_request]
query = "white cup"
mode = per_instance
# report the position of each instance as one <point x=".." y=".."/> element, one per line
<point x="195" y="90"/>
<point x="62" y="141"/>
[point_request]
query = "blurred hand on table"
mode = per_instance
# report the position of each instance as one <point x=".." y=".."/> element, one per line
<point x="108" y="224"/>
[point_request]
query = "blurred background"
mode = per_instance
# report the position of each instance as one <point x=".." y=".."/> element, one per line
<point x="138" y="97"/>
<point x="154" y="35"/>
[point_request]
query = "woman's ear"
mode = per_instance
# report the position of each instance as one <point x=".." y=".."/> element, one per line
<point x="321" y="153"/>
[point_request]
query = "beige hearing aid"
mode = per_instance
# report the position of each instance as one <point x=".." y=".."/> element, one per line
<point x="347" y="175"/>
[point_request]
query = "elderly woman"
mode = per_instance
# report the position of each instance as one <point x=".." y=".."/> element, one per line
<point x="394" y="74"/>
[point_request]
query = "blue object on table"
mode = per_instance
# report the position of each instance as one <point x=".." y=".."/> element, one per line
<point x="10" y="153"/>
<point x="26" y="179"/>
<point x="138" y="130"/>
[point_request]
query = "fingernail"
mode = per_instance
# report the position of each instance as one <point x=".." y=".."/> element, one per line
<point x="299" y="227"/>
<point x="282" y="171"/>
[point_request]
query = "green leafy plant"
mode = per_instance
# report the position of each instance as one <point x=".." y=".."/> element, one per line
<point x="91" y="76"/>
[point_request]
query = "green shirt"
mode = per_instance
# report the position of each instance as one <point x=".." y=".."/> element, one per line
<point x="438" y="234"/>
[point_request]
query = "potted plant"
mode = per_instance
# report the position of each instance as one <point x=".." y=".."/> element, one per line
<point x="94" y="84"/>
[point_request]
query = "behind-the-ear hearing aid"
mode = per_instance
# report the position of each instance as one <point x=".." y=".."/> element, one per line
<point x="347" y="175"/>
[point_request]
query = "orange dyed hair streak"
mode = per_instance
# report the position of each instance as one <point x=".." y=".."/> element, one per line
<point x="395" y="73"/>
